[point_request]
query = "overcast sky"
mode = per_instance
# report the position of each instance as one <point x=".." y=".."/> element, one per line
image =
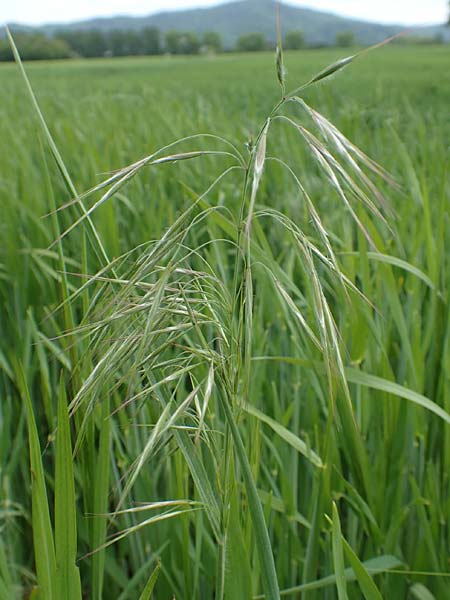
<point x="386" y="11"/>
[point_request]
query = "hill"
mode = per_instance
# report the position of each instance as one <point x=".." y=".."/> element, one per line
<point x="232" y="19"/>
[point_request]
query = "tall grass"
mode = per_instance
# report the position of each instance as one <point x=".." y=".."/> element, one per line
<point x="246" y="350"/>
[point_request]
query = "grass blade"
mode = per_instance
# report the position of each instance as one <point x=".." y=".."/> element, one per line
<point x="396" y="262"/>
<point x="98" y="246"/>
<point x="420" y="592"/>
<point x="368" y="587"/>
<point x="269" y="575"/>
<point x="44" y="549"/>
<point x="390" y="387"/>
<point x="68" y="584"/>
<point x="374" y="566"/>
<point x="289" y="437"/>
<point x="102" y="473"/>
<point x="338" y="556"/>
<point x="149" y="586"/>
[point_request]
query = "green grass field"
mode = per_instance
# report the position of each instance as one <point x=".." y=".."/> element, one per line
<point x="246" y="350"/>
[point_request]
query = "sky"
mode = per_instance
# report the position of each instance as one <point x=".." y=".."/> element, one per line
<point x="33" y="12"/>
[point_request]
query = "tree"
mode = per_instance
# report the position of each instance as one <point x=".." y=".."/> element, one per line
<point x="294" y="40"/>
<point x="172" y="41"/>
<point x="35" y="46"/>
<point x="117" y="42"/>
<point x="179" y="42"/>
<point x="151" y="40"/>
<point x="251" y="42"/>
<point x="189" y="43"/>
<point x="122" y="42"/>
<point x="96" y="43"/>
<point x="88" y="43"/>
<point x="135" y="43"/>
<point x="345" y="39"/>
<point x="71" y="39"/>
<point x="212" y="42"/>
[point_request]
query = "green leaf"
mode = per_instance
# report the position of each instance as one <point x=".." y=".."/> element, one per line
<point x="338" y="556"/>
<point x="43" y="543"/>
<point x="238" y="575"/>
<point x="289" y="437"/>
<point x="68" y="583"/>
<point x="5" y="366"/>
<point x="7" y="591"/>
<point x="396" y="262"/>
<point x="390" y="387"/>
<point x="201" y="480"/>
<point x="278" y="505"/>
<point x="149" y="586"/>
<point x="380" y="564"/>
<point x="97" y="243"/>
<point x="419" y="591"/>
<point x="366" y="583"/>
<point x="102" y="468"/>
<point x="372" y="381"/>
<point x="264" y="548"/>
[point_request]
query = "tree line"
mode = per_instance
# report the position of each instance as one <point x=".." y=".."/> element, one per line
<point x="147" y="41"/>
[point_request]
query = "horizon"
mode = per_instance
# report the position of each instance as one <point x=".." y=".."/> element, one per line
<point x="135" y="9"/>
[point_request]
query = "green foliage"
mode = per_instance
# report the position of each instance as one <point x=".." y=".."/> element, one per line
<point x="68" y="585"/>
<point x="43" y="543"/>
<point x="149" y="586"/>
<point x="294" y="40"/>
<point x="212" y="41"/>
<point x="179" y="42"/>
<point x="151" y="40"/>
<point x="419" y="40"/>
<point x="117" y="42"/>
<point x="345" y="39"/>
<point x="35" y="46"/>
<point x="88" y="43"/>
<point x="251" y="42"/>
<point x="338" y="556"/>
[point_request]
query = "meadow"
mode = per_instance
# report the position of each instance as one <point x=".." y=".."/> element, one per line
<point x="244" y="345"/>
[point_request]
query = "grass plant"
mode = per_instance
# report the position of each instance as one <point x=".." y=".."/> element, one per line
<point x="225" y="369"/>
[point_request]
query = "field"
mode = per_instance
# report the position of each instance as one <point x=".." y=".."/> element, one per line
<point x="246" y="347"/>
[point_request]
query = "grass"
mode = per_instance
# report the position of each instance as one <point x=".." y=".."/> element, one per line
<point x="252" y="345"/>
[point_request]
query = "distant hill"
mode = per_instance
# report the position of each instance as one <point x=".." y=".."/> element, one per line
<point x="232" y="19"/>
